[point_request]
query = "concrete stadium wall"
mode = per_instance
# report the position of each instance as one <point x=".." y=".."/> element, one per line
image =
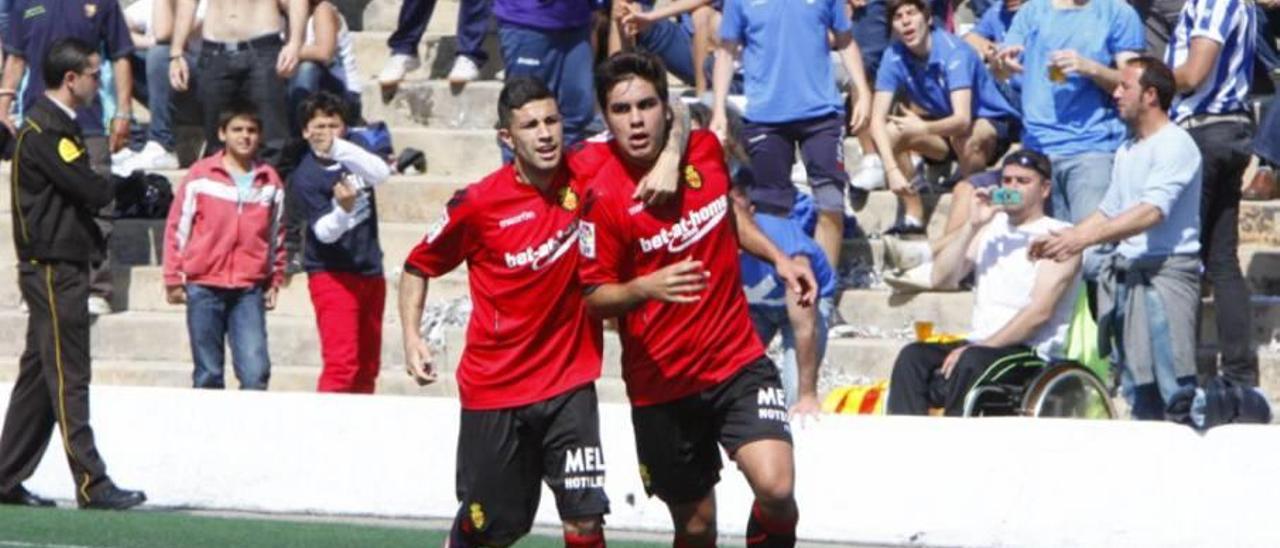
<point x="886" y="480"/>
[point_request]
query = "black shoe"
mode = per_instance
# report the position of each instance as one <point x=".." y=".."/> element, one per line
<point x="115" y="498"/>
<point x="20" y="496"/>
<point x="904" y="229"/>
<point x="411" y="157"/>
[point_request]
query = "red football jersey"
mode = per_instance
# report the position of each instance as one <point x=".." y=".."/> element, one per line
<point x="529" y="338"/>
<point x="670" y="351"/>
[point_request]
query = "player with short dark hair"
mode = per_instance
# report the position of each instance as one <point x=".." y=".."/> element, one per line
<point x="526" y="377"/>
<point x="696" y="372"/>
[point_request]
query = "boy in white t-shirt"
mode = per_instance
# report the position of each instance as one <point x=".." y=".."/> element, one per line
<point x="1021" y="306"/>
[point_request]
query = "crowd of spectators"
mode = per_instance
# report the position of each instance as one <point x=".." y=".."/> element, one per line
<point x="1032" y="98"/>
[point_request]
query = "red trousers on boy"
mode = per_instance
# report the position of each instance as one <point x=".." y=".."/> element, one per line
<point x="349" y="315"/>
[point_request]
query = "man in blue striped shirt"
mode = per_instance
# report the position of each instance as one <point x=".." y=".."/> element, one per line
<point x="1211" y="51"/>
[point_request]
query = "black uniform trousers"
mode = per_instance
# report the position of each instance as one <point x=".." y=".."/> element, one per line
<point x="53" y="380"/>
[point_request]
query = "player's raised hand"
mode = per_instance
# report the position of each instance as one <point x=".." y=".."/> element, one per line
<point x="681" y="282"/>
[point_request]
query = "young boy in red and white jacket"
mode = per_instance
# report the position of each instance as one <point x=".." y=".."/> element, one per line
<point x="224" y="253"/>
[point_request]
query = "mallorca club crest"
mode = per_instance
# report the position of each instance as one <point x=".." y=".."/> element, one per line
<point x="692" y="177"/>
<point x="568" y="199"/>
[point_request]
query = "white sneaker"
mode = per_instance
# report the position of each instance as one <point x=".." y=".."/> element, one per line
<point x="98" y="306"/>
<point x="395" y="69"/>
<point x="906" y="254"/>
<point x="122" y="156"/>
<point x="464" y="70"/>
<point x="915" y="280"/>
<point x="151" y="158"/>
<point x="870" y="175"/>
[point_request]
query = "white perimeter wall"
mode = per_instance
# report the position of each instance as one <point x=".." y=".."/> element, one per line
<point x="1007" y="482"/>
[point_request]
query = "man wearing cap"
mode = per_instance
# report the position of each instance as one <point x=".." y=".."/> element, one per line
<point x="1020" y="305"/>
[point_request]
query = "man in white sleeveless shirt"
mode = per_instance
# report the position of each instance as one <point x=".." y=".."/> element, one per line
<point x="1021" y="306"/>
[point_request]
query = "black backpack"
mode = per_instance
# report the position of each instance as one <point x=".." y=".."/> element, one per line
<point x="143" y="196"/>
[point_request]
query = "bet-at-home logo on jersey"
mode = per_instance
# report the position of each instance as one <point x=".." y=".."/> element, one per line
<point x="545" y="253"/>
<point x="689" y="229"/>
<point x="437" y="227"/>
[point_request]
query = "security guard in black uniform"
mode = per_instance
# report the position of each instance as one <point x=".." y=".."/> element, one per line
<point x="55" y="195"/>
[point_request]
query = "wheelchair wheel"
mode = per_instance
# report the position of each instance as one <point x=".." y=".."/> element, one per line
<point x="1068" y="391"/>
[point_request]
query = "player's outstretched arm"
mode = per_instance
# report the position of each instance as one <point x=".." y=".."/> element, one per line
<point x="417" y="355"/>
<point x="681" y="283"/>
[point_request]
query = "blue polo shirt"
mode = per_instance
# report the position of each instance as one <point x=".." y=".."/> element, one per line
<point x="785" y="56"/>
<point x="994" y="24"/>
<point x="1076" y="116"/>
<point x="759" y="279"/>
<point x="34" y="25"/>
<point x="549" y="15"/>
<point x="952" y="65"/>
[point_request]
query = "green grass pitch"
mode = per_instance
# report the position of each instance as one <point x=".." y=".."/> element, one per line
<point x="63" y="528"/>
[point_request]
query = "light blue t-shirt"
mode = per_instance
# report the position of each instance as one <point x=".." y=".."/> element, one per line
<point x="1076" y="116"/>
<point x="244" y="184"/>
<point x="761" y="282"/>
<point x="1162" y="170"/>
<point x="952" y="65"/>
<point x="785" y="56"/>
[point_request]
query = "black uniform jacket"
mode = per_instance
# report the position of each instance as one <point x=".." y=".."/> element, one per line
<point x="55" y="193"/>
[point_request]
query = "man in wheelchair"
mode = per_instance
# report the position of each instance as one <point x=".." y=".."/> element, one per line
<point x="1021" y="306"/>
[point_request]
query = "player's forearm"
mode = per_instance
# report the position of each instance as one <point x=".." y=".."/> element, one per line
<point x="851" y="56"/>
<point x="297" y="15"/>
<point x="956" y="125"/>
<point x="13" y="69"/>
<point x="615" y="299"/>
<point x="1132" y="221"/>
<point x="804" y="327"/>
<point x="722" y="75"/>
<point x="750" y="238"/>
<point x="413" y="294"/>
<point x="184" y="19"/>
<point x="124" y="87"/>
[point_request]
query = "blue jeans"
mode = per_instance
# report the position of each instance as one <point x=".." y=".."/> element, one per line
<point x="1147" y="401"/>
<point x="1079" y="183"/>
<point x="770" y="320"/>
<point x="563" y="60"/>
<point x="1267" y="142"/>
<point x="473" y="24"/>
<point x="151" y="86"/>
<point x="311" y="78"/>
<point x="234" y="317"/>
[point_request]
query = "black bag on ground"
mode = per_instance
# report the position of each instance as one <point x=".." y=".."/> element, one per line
<point x="142" y="196"/>
<point x="1218" y="402"/>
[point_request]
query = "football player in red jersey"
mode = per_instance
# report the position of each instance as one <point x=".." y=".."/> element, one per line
<point x="696" y="373"/>
<point x="526" y="376"/>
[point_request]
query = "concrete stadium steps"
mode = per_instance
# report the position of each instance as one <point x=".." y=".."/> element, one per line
<point x="143" y="349"/>
<point x="951" y="313"/>
<point x="436" y="51"/>
<point x="381" y="15"/>
<point x="140" y="242"/>
<point x="141" y="289"/>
